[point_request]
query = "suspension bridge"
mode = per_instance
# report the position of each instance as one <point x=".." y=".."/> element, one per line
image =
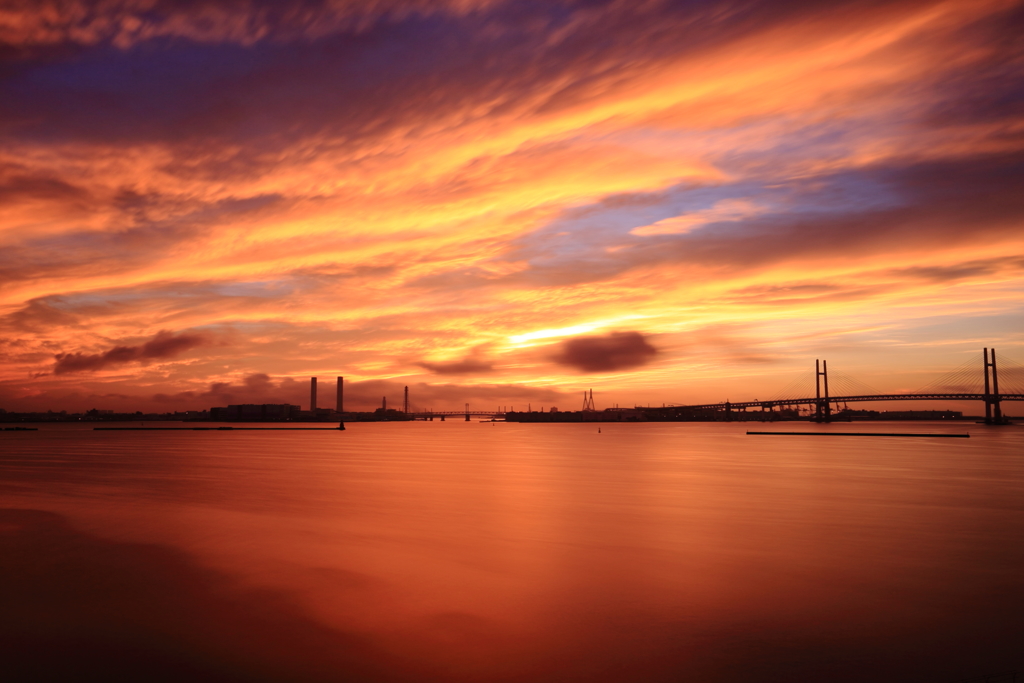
<point x="978" y="379"/>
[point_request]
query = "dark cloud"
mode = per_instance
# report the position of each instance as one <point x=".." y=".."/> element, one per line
<point x="34" y="23"/>
<point x="15" y="188"/>
<point x="259" y="381"/>
<point x="164" y="345"/>
<point x="615" y="351"/>
<point x="961" y="271"/>
<point x="467" y="366"/>
<point x="256" y="388"/>
<point x="40" y="314"/>
<point x="990" y="88"/>
<point x="225" y="393"/>
<point x="403" y="71"/>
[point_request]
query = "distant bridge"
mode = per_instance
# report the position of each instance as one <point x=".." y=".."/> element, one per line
<point x="962" y="384"/>
<point x="442" y="414"/>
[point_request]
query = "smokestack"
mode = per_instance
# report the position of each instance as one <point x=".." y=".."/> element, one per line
<point x="384" y="404"/>
<point x="312" y="394"/>
<point x="406" y="406"/>
<point x="341" y="395"/>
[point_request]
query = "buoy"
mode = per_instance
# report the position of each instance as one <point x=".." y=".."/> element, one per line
<point x="598" y="430"/>
<point x="341" y="425"/>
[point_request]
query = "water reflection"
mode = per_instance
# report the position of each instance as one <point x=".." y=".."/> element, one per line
<point x="470" y="552"/>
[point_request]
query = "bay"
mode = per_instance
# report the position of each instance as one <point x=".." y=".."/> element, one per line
<point x="458" y="551"/>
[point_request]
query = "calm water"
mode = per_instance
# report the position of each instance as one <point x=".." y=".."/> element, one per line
<point x="503" y="552"/>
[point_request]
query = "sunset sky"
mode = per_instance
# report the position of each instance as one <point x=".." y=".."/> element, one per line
<point x="503" y="202"/>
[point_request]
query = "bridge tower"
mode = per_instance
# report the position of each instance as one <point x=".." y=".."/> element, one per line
<point x="993" y="409"/>
<point x="588" y="401"/>
<point x="822" y="408"/>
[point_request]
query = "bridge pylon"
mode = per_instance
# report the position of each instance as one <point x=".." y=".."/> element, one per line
<point x="993" y="409"/>
<point x="822" y="407"/>
<point x="588" y="402"/>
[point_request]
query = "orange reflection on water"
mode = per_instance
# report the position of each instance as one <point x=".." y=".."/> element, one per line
<point x="499" y="552"/>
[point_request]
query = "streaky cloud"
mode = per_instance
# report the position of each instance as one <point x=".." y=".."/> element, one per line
<point x="467" y="366"/>
<point x="163" y="345"/>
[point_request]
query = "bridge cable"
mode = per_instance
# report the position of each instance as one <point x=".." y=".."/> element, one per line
<point x="966" y="378"/>
<point x="801" y="387"/>
<point x="1011" y="375"/>
<point x="840" y="384"/>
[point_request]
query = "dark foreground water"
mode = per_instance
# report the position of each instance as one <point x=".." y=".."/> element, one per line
<point x="505" y="552"/>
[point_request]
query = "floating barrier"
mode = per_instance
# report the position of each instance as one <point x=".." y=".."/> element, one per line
<point x="944" y="436"/>
<point x="217" y="429"/>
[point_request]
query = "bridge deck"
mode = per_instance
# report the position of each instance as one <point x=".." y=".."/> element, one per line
<point x="848" y="399"/>
<point x="457" y="413"/>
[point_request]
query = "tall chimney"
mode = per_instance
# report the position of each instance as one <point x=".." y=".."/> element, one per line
<point x="312" y="394"/>
<point x="341" y="395"/>
<point x="406" y="406"/>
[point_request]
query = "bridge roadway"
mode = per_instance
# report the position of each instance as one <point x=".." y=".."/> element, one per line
<point x="849" y="399"/>
<point x="457" y="413"/>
